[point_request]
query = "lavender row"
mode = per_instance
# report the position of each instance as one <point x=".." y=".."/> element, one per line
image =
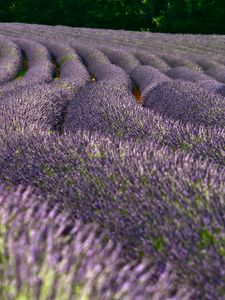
<point x="111" y="109"/>
<point x="36" y="66"/>
<point x="147" y="77"/>
<point x="113" y="74"/>
<point x="99" y="65"/>
<point x="121" y="58"/>
<point x="92" y="56"/>
<point x="10" y="60"/>
<point x="70" y="67"/>
<point x="213" y="85"/>
<point x="177" y="60"/>
<point x="35" y="108"/>
<point x="147" y="58"/>
<point x="44" y="255"/>
<point x="210" y="45"/>
<point x="186" y="62"/>
<point x="158" y="204"/>
<point x="186" y="74"/>
<point x="107" y="107"/>
<point x="40" y="68"/>
<point x="186" y="102"/>
<point x="213" y="69"/>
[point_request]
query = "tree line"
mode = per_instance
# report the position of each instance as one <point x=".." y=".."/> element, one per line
<point x="175" y="16"/>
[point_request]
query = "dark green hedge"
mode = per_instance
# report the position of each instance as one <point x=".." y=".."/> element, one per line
<point x="176" y="16"/>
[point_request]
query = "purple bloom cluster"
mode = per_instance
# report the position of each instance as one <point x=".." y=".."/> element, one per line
<point x="43" y="254"/>
<point x="155" y="204"/>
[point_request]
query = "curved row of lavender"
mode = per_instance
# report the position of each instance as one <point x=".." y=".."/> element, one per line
<point x="40" y="261"/>
<point x="120" y="129"/>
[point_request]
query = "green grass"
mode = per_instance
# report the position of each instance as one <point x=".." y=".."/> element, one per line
<point x="23" y="69"/>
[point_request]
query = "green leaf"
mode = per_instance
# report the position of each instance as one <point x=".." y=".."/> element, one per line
<point x="206" y="238"/>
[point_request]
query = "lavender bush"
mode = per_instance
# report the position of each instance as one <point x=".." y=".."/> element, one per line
<point x="213" y="86"/>
<point x="121" y="58"/>
<point x="146" y="58"/>
<point x="92" y="57"/>
<point x="186" y="102"/>
<point x="111" y="73"/>
<point x="70" y="68"/>
<point x="154" y="204"/>
<point x="38" y="60"/>
<point x="10" y="60"/>
<point x="186" y="74"/>
<point x="43" y="255"/>
<point x="37" y="107"/>
<point x="147" y="77"/>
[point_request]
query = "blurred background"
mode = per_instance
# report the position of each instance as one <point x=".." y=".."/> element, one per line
<point x="175" y="16"/>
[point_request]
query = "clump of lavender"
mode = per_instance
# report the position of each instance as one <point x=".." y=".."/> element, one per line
<point x="92" y="56"/>
<point x="108" y="107"/>
<point x="35" y="107"/>
<point x="186" y="102"/>
<point x="40" y="68"/>
<point x="213" y="86"/>
<point x="147" y="77"/>
<point x="154" y="202"/>
<point x="152" y="60"/>
<point x="10" y="60"/>
<point x="212" y="68"/>
<point x="112" y="73"/>
<point x="71" y="69"/>
<point x="121" y="58"/>
<point x="177" y="60"/>
<point x="44" y="256"/>
<point x="185" y="73"/>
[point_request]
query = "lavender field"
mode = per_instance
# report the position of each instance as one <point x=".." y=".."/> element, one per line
<point x="112" y="164"/>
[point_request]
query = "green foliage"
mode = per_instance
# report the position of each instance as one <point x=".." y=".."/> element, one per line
<point x="159" y="244"/>
<point x="209" y="238"/>
<point x="20" y="74"/>
<point x="193" y="16"/>
<point x="206" y="238"/>
<point x="49" y="172"/>
<point x="23" y="69"/>
<point x="65" y="59"/>
<point x="185" y="146"/>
